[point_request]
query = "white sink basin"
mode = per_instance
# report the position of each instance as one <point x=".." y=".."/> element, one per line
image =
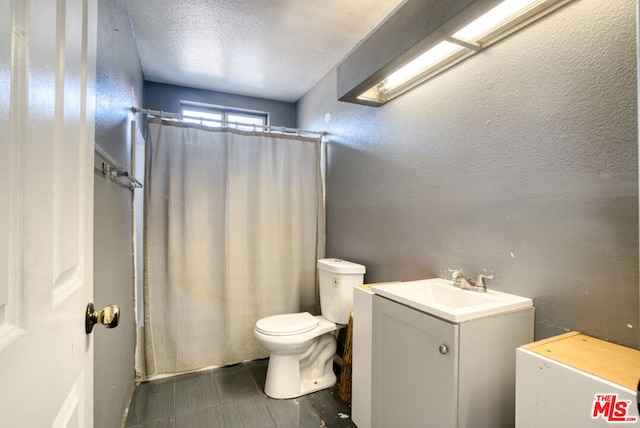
<point x="440" y="298"/>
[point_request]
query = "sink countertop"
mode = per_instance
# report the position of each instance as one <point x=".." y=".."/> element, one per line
<point x="376" y="284"/>
<point x="439" y="297"/>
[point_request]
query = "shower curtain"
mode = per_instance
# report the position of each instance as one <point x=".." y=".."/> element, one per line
<point x="234" y="225"/>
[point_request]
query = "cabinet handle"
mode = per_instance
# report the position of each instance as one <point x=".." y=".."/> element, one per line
<point x="443" y="349"/>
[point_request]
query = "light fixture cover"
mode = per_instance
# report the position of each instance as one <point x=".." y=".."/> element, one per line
<point x="500" y="21"/>
<point x="501" y="15"/>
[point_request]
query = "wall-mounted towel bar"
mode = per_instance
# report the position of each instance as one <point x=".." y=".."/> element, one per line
<point x="110" y="170"/>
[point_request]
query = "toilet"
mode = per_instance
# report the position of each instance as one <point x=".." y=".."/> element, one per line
<point x="302" y="345"/>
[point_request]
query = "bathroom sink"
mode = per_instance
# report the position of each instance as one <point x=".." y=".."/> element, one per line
<point x="440" y="298"/>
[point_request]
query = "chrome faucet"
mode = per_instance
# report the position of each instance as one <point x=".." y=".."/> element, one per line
<point x="460" y="281"/>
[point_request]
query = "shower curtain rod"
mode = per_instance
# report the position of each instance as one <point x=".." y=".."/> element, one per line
<point x="228" y="124"/>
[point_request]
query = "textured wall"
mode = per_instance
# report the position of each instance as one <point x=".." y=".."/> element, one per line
<point x="159" y="96"/>
<point x="119" y="87"/>
<point x="520" y="161"/>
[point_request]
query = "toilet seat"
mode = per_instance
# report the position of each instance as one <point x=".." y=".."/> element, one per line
<point x="287" y="324"/>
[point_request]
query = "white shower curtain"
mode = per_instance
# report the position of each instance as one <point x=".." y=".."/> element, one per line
<point x="234" y="224"/>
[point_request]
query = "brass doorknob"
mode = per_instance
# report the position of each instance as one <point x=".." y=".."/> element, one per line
<point x="108" y="317"/>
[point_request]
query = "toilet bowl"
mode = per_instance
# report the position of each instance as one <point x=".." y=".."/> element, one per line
<point x="302" y="345"/>
<point x="301" y="359"/>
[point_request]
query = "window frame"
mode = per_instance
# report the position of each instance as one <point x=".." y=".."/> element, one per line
<point x="224" y="112"/>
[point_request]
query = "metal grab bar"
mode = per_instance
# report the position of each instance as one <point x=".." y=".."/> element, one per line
<point x="112" y="171"/>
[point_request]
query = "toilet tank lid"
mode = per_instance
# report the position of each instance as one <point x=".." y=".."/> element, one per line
<point x="340" y="266"/>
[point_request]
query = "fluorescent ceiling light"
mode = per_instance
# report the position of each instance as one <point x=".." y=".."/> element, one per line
<point x="433" y="60"/>
<point x="425" y="61"/>
<point x="501" y="15"/>
<point x="498" y="22"/>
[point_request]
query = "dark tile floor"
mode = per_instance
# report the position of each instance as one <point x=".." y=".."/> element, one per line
<point x="231" y="397"/>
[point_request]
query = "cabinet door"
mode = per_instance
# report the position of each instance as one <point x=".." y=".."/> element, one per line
<point x="414" y="378"/>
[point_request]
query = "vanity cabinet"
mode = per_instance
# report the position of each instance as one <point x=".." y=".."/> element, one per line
<point x="428" y="372"/>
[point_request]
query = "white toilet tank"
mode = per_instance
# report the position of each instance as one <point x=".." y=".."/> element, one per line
<point x="337" y="279"/>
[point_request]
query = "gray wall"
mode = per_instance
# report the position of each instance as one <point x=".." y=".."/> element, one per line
<point x="119" y="87"/>
<point x="520" y="161"/>
<point x="159" y="96"/>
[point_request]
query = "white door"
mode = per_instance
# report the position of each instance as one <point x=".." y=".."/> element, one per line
<point x="47" y="102"/>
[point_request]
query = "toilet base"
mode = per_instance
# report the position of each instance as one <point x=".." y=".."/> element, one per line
<point x="291" y="376"/>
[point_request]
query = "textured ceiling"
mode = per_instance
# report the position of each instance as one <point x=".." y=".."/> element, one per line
<point x="274" y="49"/>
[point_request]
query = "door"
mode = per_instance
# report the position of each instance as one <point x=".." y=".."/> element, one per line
<point x="47" y="75"/>
<point x="414" y="368"/>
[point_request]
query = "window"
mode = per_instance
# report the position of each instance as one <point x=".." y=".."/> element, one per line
<point x="218" y="116"/>
<point x="204" y="118"/>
